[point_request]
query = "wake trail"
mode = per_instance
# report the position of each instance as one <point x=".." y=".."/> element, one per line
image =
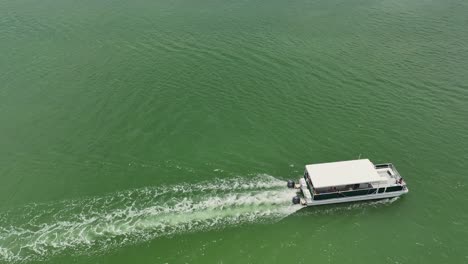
<point x="39" y="231"/>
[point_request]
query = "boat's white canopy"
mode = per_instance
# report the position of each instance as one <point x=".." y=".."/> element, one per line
<point x="342" y="173"/>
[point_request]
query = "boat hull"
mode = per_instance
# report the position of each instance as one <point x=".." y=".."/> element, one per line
<point x="355" y="198"/>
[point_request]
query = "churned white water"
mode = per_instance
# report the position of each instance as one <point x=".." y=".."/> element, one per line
<point x="38" y="231"/>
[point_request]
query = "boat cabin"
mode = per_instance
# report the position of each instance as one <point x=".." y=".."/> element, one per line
<point x="350" y="178"/>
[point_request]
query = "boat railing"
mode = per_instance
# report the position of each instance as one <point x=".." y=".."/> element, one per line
<point x="395" y="174"/>
<point x="343" y="194"/>
<point x="395" y="171"/>
<point x="356" y="192"/>
<point x="344" y="190"/>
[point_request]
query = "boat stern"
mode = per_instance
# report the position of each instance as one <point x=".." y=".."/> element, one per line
<point x="303" y="195"/>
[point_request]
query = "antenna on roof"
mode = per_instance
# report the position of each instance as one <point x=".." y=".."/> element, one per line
<point x="359" y="156"/>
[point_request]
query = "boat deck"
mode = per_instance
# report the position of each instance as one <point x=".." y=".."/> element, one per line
<point x="388" y="177"/>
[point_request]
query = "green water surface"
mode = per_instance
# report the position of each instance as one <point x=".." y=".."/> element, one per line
<point x="106" y="104"/>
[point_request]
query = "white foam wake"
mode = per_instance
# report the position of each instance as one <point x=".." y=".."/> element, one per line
<point x="39" y="231"/>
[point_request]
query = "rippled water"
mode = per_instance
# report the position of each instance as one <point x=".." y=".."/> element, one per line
<point x="138" y="132"/>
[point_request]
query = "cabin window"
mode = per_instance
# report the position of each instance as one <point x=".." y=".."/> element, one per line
<point x="381" y="190"/>
<point x="394" y="189"/>
<point x="356" y="193"/>
<point x="327" y="196"/>
<point x="306" y="176"/>
<point x="309" y="186"/>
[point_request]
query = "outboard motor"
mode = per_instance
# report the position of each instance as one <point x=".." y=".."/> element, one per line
<point x="290" y="184"/>
<point x="296" y="200"/>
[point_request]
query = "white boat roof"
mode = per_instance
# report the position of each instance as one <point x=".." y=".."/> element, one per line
<point x="342" y="173"/>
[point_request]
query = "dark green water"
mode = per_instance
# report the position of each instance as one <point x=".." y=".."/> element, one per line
<point x="163" y="131"/>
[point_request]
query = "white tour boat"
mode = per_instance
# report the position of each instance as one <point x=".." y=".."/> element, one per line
<point x="347" y="181"/>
